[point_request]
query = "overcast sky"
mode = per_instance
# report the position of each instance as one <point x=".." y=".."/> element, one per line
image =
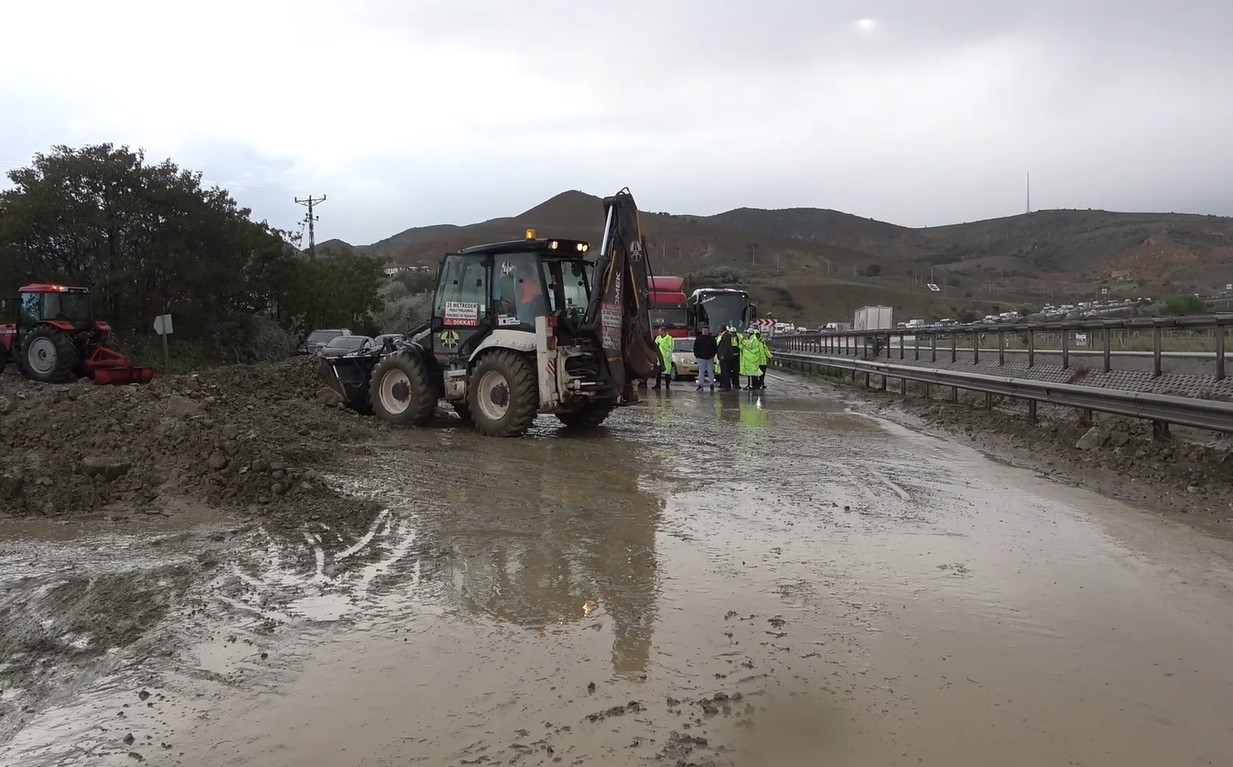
<point x="414" y="112"/>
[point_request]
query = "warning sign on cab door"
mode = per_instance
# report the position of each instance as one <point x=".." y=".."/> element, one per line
<point x="461" y="314"/>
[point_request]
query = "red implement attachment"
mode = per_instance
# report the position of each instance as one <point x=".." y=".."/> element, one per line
<point x="110" y="367"/>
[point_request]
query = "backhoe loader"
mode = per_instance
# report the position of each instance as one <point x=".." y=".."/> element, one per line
<point x="519" y="328"/>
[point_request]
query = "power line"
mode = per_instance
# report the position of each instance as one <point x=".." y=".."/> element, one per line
<point x="310" y="201"/>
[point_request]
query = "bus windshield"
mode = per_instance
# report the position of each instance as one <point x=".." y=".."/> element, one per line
<point x="719" y="309"/>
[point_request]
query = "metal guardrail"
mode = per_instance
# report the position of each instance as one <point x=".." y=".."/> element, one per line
<point x="861" y="343"/>
<point x="1160" y="409"/>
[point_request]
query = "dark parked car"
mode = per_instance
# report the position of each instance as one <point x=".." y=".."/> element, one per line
<point x="379" y="341"/>
<point x="344" y="345"/>
<point x="317" y="340"/>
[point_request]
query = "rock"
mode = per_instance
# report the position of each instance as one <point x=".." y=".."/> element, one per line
<point x="109" y="468"/>
<point x="11" y="484"/>
<point x="1118" y="438"/>
<point x="179" y="406"/>
<point x="7" y="405"/>
<point x="1091" y="439"/>
<point x="217" y="461"/>
<point x="328" y="397"/>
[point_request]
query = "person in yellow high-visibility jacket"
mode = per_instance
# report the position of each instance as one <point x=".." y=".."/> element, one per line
<point x="751" y="359"/>
<point x="666" y="346"/>
<point x="760" y="355"/>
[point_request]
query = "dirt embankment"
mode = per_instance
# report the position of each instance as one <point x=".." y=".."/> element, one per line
<point x="242" y="437"/>
<point x="1115" y="456"/>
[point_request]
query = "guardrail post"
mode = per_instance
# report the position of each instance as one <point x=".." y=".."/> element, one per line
<point x="916" y="339"/>
<point x="1156" y="350"/>
<point x="1001" y="348"/>
<point x="928" y="391"/>
<point x="954" y="347"/>
<point x="1032" y="418"/>
<point x="1085" y="418"/>
<point x="903" y="386"/>
<point x="933" y="347"/>
<point x="976" y="348"/>
<point x="902" y="351"/>
<point x="1220" y="352"/>
<point x="1160" y="431"/>
<point x="988" y="400"/>
<point x="954" y="394"/>
<point x="1108" y="349"/>
<point x="1031" y="348"/>
<point x="1066" y="350"/>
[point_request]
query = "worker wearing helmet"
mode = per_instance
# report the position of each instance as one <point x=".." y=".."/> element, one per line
<point x="751" y="359"/>
<point x="666" y="346"/>
<point x="736" y="340"/>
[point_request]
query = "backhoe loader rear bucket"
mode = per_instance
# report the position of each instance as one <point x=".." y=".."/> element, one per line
<point x="109" y="367"/>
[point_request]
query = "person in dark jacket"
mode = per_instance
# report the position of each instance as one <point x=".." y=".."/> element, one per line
<point x="705" y="348"/>
<point x="727" y="356"/>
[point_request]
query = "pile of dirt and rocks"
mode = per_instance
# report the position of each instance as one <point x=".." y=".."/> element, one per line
<point x="237" y="436"/>
<point x="1116" y="455"/>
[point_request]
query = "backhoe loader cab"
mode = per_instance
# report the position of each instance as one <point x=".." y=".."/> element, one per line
<point x="518" y="328"/>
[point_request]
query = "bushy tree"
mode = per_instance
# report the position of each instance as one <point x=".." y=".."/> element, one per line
<point x="150" y="239"/>
<point x="402" y="307"/>
<point x="1183" y="305"/>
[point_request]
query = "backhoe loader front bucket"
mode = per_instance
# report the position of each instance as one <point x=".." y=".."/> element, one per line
<point x="350" y="376"/>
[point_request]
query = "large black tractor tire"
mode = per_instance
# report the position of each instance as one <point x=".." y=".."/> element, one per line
<point x="48" y="355"/>
<point x="503" y="396"/>
<point x="4" y="360"/>
<point x="399" y="390"/>
<point x="588" y="417"/>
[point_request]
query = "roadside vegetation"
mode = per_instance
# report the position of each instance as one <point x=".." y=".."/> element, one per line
<point x="149" y="239"/>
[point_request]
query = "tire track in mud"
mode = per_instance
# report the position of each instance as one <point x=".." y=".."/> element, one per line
<point x="180" y="620"/>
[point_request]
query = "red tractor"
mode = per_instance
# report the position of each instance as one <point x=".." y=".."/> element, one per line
<point x="57" y="339"/>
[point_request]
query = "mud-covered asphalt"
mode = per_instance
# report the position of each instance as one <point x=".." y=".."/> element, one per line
<point x="751" y="579"/>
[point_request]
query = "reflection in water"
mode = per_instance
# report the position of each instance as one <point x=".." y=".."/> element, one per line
<point x="542" y="530"/>
<point x="753" y="413"/>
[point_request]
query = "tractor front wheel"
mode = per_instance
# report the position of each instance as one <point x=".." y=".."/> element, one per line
<point x="503" y="397"/>
<point x="400" y="392"/>
<point x="48" y="355"/>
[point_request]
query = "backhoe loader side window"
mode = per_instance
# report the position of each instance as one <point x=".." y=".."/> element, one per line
<point x="517" y="291"/>
<point x="568" y="282"/>
<point x="462" y="299"/>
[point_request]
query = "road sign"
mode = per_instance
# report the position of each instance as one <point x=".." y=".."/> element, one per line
<point x="162" y="325"/>
<point x="934" y="288"/>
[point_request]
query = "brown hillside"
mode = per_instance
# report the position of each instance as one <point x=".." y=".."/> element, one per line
<point x="820" y="262"/>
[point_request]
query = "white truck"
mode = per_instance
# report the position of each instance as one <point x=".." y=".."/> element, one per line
<point x="873" y="318"/>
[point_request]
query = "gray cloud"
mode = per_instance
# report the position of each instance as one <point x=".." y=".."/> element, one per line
<point x="455" y="111"/>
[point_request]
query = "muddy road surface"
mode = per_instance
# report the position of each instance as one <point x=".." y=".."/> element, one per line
<point x="715" y="579"/>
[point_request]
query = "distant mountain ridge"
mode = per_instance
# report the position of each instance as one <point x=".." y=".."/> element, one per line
<point x="1066" y="246"/>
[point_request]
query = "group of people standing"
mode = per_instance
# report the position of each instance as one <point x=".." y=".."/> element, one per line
<point x="722" y="359"/>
